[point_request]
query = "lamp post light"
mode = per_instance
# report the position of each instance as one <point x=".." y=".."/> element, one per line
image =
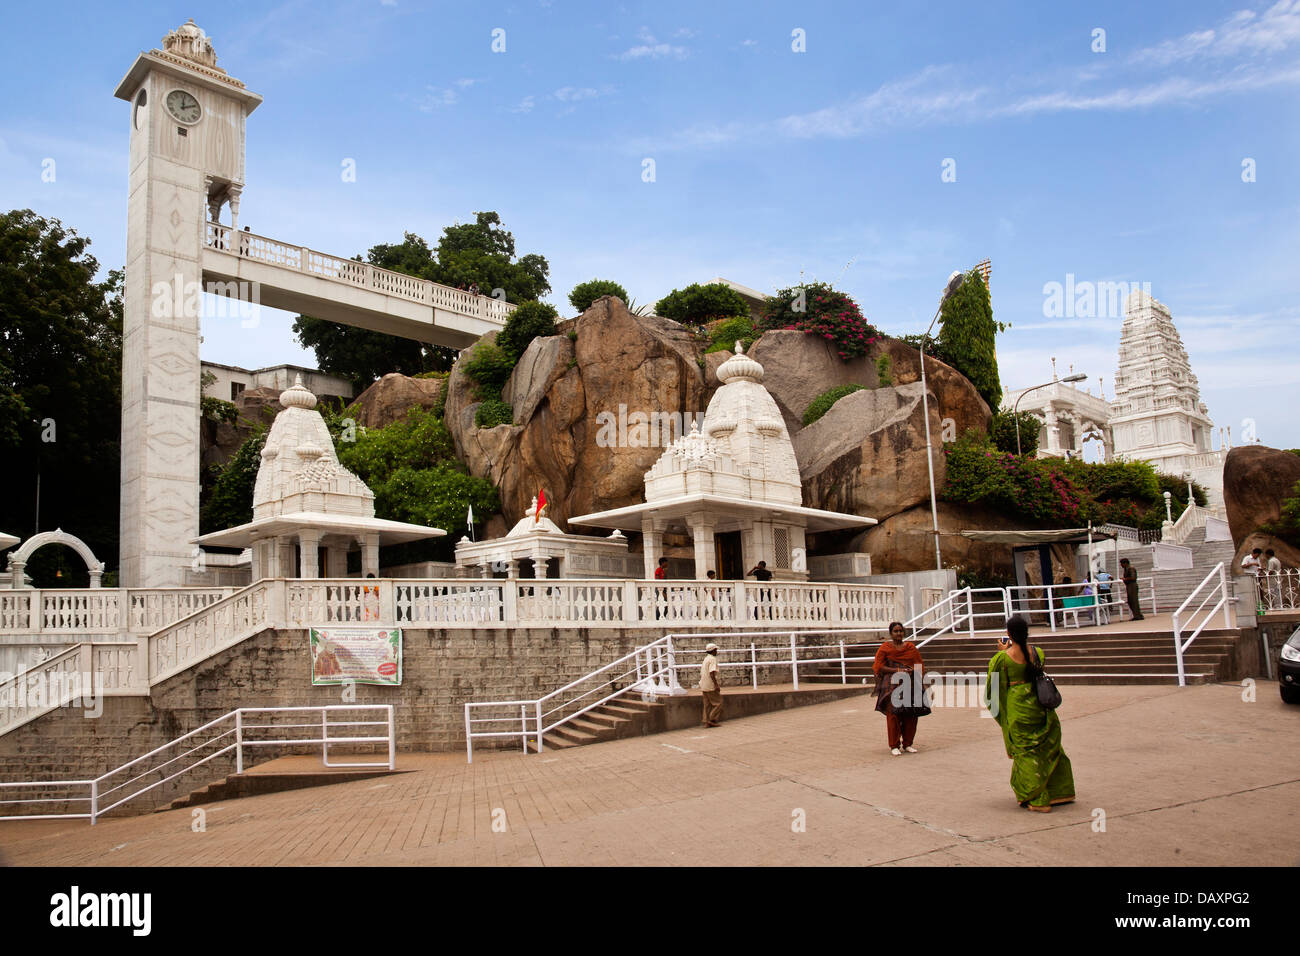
<point x="1015" y="409"/>
<point x="954" y="283"/>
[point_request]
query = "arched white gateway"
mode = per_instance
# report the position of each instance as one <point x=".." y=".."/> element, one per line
<point x="18" y="559"/>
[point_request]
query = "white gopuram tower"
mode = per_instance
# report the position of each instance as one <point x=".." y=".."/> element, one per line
<point x="186" y="159"/>
<point x="1157" y="414"/>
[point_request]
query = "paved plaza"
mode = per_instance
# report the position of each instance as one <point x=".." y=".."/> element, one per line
<point x="1185" y="777"/>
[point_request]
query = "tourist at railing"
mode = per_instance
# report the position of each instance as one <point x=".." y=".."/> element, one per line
<point x="1251" y="564"/>
<point x="711" y="687"/>
<point x="899" y="698"/>
<point x="1041" y="774"/>
<point x="761" y="572"/>
<point x="1273" y="567"/>
<point x="1131" y="588"/>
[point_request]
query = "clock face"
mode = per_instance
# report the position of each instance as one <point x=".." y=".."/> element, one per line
<point x="183" y="106"/>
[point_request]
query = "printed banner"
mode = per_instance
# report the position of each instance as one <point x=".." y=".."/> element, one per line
<point x="363" y="655"/>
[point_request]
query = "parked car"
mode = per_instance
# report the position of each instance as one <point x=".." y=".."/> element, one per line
<point x="1288" y="669"/>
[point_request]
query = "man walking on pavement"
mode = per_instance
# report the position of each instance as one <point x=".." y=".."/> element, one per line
<point x="711" y="687"/>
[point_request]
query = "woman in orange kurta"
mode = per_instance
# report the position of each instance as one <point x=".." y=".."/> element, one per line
<point x="897" y="656"/>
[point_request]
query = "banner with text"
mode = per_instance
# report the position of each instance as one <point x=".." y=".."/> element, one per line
<point x="362" y="655"/>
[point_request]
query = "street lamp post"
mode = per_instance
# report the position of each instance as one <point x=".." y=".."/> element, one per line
<point x="1015" y="409"/>
<point x="954" y="283"/>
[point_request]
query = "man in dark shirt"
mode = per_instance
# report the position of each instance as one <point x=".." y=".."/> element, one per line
<point x="1131" y="588"/>
<point x="764" y="594"/>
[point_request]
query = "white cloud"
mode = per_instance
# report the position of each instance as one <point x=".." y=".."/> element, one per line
<point x="572" y="94"/>
<point x="652" y="49"/>
<point x="525" y="105"/>
<point x="1245" y="31"/>
<point x="436" y="98"/>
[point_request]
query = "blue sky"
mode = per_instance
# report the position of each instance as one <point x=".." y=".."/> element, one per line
<point x="770" y="164"/>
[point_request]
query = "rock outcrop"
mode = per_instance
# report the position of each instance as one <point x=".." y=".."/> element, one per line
<point x="867" y="454"/>
<point x="905" y="541"/>
<point x="1256" y="481"/>
<point x="389" y="399"/>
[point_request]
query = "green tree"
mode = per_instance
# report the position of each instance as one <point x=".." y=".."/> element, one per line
<point x="231" y="501"/>
<point x="529" y="321"/>
<point x="585" y="293"/>
<point x="60" y="390"/>
<point x="697" y="304"/>
<point x="1003" y="431"/>
<point x="469" y="254"/>
<point x="967" y="335"/>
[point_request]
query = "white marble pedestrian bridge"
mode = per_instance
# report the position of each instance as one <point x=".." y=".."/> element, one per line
<point x="280" y="275"/>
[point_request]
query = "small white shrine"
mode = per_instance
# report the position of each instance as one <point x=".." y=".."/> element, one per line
<point x="733" y="485"/>
<point x="537" y="540"/>
<point x="308" y="510"/>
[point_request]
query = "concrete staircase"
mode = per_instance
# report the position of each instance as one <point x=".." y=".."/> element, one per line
<point x="1173" y="587"/>
<point x="625" y="717"/>
<point x="1077" y="657"/>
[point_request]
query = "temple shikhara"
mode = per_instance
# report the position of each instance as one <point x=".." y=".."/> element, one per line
<point x="1156" y="415"/>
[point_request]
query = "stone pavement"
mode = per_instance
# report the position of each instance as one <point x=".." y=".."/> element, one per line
<point x="1192" y="777"/>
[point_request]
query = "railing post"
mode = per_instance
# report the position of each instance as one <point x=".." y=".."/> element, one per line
<point x="631" y="609"/>
<point x="392" y="740"/>
<point x="510" y="601"/>
<point x="844" y="675"/>
<point x="324" y="737"/>
<point x="794" y="661"/>
<point x="674" y="687"/>
<point x="753" y="664"/>
<point x="94" y="801"/>
<point x="523" y="727"/>
<point x="742" y="612"/>
<point x="469" y="739"/>
<point x="388" y="600"/>
<point x="1178" y="652"/>
<point x="834" y="610"/>
<point x="970" y="613"/>
<point x="239" y="740"/>
<point x="537" y="705"/>
<point x="303" y="258"/>
<point x="1223" y="589"/>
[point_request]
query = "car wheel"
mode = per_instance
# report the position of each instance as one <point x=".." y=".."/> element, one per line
<point x="1290" y="695"/>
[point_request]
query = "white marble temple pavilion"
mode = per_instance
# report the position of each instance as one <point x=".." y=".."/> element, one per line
<point x="306" y="502"/>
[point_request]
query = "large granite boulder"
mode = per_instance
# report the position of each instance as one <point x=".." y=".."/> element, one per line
<point x="393" y="396"/>
<point x="576" y="408"/>
<point x="1256" y="481"/>
<point x="798" y="367"/>
<point x="867" y="454"/>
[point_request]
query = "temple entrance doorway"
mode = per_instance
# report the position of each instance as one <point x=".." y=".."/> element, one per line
<point x="731" y="565"/>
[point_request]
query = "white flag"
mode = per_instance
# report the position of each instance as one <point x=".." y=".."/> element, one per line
<point x="470" y="521"/>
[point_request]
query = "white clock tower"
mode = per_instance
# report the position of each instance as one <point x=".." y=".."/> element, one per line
<point x="187" y="163"/>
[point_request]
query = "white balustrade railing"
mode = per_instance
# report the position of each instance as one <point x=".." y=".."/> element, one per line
<point x="594" y="602"/>
<point x="1170" y="557"/>
<point x="249" y="245"/>
<point x="1277" y="590"/>
<point x="214" y="628"/>
<point x="40" y="689"/>
<point x="100" y="611"/>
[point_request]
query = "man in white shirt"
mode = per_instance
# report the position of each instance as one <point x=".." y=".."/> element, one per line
<point x="711" y="687"/>
<point x="1250" y="564"/>
<point x="1274" y="578"/>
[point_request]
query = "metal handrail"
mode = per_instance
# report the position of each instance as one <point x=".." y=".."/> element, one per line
<point x="239" y="731"/>
<point x="1221" y="589"/>
<point x="954" y="620"/>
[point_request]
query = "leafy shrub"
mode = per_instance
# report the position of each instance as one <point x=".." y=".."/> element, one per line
<point x="527" y="322"/>
<point x="884" y="371"/>
<point x="728" y="333"/>
<point x="489" y="368"/>
<point x="1003" y="431"/>
<point x="697" y="304"/>
<point x="416" y="441"/>
<point x="820" y="310"/>
<point x="585" y="293"/>
<point x="217" y="410"/>
<point x="823" y="402"/>
<point x="493" y="412"/>
<point x="1036" y="489"/>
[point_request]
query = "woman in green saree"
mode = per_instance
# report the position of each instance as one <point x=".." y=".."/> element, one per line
<point x="1040" y="773"/>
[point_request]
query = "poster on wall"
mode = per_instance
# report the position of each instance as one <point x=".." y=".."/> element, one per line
<point x="362" y="655"/>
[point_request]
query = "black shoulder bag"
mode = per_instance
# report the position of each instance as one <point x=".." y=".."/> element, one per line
<point x="1049" y="698"/>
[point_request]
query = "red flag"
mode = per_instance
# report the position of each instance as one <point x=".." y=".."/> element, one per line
<point x="541" y="504"/>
